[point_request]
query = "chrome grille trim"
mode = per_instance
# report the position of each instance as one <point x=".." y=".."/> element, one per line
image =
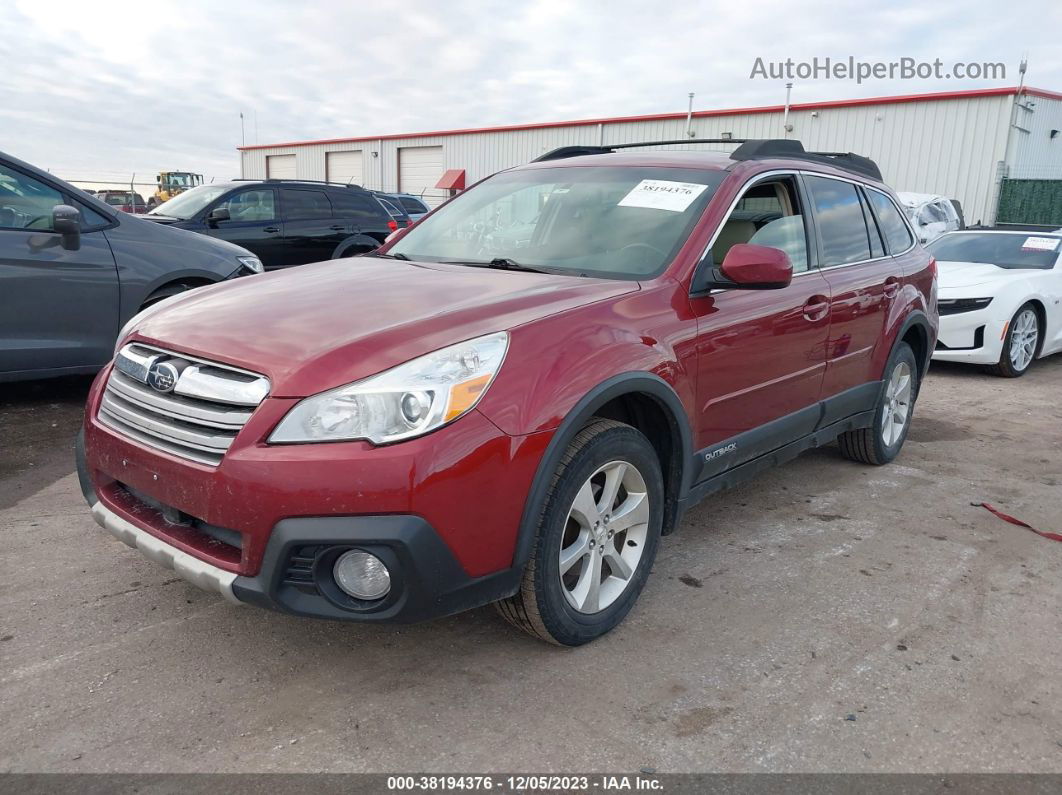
<point x="198" y="420"/>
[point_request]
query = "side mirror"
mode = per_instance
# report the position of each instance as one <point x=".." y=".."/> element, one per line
<point x="219" y="214"/>
<point x="746" y="266"/>
<point x="66" y="222"/>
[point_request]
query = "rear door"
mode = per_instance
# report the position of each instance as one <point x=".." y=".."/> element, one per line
<point x="361" y="213"/>
<point x="864" y="283"/>
<point x="311" y="233"/>
<point x="58" y="308"/>
<point x="254" y="223"/>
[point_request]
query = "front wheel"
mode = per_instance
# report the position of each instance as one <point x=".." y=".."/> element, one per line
<point x="596" y="540"/>
<point x="881" y="442"/>
<point x="1020" y="345"/>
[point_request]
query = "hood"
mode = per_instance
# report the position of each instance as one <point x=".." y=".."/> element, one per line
<point x="957" y="275"/>
<point x="319" y="326"/>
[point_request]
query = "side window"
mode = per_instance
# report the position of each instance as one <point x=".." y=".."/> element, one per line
<point x="768" y="214"/>
<point x="412" y="205"/>
<point x="353" y="205"/>
<point x="90" y="219"/>
<point x="842" y="228"/>
<point x="301" y="205"/>
<point x="251" y="205"/>
<point x="877" y="246"/>
<point x="26" y="203"/>
<point x="893" y="228"/>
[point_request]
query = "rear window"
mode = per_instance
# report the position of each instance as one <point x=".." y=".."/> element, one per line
<point x="842" y="227"/>
<point x="412" y="205"/>
<point x="304" y="205"/>
<point x="1012" y="251"/>
<point x="357" y="205"/>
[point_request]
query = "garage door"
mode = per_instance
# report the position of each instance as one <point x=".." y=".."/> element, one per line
<point x="419" y="168"/>
<point x="280" y="166"/>
<point x="343" y="167"/>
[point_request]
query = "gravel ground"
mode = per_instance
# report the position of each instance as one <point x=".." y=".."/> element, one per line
<point x="826" y="617"/>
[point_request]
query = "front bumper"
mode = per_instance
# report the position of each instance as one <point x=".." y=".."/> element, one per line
<point x="442" y="511"/>
<point x="295" y="575"/>
<point x="972" y="337"/>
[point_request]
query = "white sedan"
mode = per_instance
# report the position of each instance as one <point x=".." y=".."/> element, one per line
<point x="999" y="297"/>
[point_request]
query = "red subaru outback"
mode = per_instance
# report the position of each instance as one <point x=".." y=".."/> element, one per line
<point x="513" y="400"/>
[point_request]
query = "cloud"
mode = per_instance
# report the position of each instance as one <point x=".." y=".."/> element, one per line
<point x="108" y="89"/>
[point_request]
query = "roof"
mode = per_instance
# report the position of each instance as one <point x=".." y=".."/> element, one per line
<point x="697" y="114"/>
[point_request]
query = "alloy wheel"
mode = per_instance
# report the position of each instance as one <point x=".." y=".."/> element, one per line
<point x="604" y="537"/>
<point x="1024" y="334"/>
<point x="897" y="409"/>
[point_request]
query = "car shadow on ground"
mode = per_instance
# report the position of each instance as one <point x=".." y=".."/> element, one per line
<point x="38" y="423"/>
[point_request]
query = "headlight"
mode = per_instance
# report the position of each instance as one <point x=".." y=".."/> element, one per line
<point x="955" y="306"/>
<point x="409" y="400"/>
<point x="253" y="264"/>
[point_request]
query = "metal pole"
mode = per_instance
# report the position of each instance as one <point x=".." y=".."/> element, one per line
<point x="689" y="118"/>
<point x="785" y="116"/>
<point x="243" y="138"/>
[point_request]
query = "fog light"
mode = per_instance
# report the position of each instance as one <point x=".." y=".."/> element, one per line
<point x="362" y="575"/>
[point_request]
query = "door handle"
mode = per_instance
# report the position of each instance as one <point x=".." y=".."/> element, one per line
<point x="271" y="229"/>
<point x="892" y="286"/>
<point x="337" y="228"/>
<point x="816" y="307"/>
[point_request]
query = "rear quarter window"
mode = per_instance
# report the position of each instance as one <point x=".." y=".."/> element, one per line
<point x="894" y="229"/>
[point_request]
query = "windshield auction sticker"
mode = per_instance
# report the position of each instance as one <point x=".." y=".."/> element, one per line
<point x="1040" y="244"/>
<point x="661" y="194"/>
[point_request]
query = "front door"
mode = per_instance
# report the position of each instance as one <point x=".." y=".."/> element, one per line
<point x="58" y="308"/>
<point x="761" y="353"/>
<point x="254" y="223"/>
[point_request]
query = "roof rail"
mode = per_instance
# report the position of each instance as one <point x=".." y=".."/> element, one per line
<point x="784" y="147"/>
<point x="748" y="149"/>
<point x="311" y="181"/>
<point x="576" y="151"/>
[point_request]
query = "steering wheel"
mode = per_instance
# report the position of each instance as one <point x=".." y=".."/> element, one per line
<point x="652" y="250"/>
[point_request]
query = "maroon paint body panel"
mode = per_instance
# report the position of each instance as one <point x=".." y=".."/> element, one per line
<point x="735" y="360"/>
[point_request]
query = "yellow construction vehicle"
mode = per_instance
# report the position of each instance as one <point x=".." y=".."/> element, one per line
<point x="170" y="183"/>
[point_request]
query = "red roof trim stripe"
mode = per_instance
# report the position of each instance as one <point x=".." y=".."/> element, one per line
<point x="697" y="114"/>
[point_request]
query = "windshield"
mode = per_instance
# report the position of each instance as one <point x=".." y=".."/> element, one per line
<point x="187" y="204"/>
<point x="1012" y="251"/>
<point x="615" y="222"/>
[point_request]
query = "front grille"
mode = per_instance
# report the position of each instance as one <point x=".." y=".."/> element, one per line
<point x="199" y="416"/>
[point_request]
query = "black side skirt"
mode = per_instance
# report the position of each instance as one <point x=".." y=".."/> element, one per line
<point x="734" y="461"/>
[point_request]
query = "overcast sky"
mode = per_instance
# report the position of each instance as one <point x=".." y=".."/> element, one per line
<point x="100" y="90"/>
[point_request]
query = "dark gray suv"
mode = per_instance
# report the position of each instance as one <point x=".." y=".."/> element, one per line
<point x="74" y="270"/>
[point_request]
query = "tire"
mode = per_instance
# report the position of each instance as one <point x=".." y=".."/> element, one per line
<point x="881" y="443"/>
<point x="546" y="605"/>
<point x="1024" y="334"/>
<point x="165" y="292"/>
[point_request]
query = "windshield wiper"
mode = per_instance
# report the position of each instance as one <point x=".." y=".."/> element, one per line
<point x="498" y="263"/>
<point x="386" y="256"/>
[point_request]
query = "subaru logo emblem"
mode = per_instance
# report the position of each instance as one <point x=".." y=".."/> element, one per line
<point x="162" y="377"/>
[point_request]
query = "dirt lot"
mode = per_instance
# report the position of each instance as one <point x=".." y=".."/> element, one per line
<point x="828" y="617"/>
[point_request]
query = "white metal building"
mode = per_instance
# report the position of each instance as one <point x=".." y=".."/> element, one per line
<point x="962" y="144"/>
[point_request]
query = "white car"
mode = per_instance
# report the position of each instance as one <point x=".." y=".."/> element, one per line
<point x="999" y="298"/>
<point x="931" y="215"/>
